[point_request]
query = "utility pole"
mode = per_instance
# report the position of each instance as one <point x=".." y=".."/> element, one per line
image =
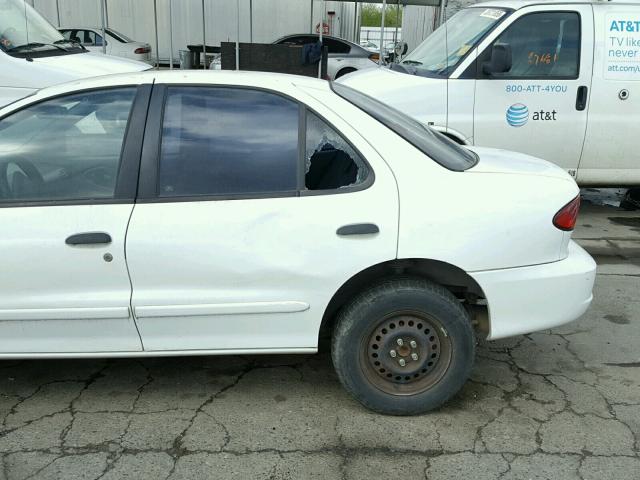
<point x="237" y="34"/>
<point x="155" y="20"/>
<point x="104" y="28"/>
<point x="170" y="34"/>
<point x="384" y="10"/>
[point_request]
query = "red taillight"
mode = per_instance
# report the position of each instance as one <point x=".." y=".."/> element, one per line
<point x="142" y="50"/>
<point x="566" y="217"/>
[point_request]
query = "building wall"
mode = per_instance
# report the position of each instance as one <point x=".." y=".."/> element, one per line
<point x="271" y="19"/>
<point x="417" y="24"/>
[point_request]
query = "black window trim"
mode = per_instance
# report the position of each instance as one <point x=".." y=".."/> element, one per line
<point x="115" y="36"/>
<point x="386" y="125"/>
<point x="126" y="182"/>
<point x="148" y="187"/>
<point x="478" y="62"/>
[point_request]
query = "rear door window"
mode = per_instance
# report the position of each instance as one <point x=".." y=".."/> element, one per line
<point x="336" y="46"/>
<point x="299" y="40"/>
<point x="91" y="38"/>
<point x="228" y="141"/>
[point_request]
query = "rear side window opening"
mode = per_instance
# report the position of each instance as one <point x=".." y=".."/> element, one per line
<point x="330" y="162"/>
<point x="433" y="144"/>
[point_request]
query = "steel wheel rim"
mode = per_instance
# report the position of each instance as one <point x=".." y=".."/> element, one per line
<point x="405" y="353"/>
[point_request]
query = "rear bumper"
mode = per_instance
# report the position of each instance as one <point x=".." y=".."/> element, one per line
<point x="528" y="299"/>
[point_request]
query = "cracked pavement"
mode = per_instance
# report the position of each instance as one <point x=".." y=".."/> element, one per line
<point x="559" y="404"/>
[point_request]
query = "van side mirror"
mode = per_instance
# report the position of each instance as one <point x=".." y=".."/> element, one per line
<point x="500" y="61"/>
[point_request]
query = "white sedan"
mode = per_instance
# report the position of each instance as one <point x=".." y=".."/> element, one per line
<point x="168" y="213"/>
<point x="118" y="44"/>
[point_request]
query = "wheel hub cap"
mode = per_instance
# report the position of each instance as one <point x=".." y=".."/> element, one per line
<point x="404" y="349"/>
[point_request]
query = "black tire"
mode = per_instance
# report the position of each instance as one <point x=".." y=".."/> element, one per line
<point x="631" y="200"/>
<point x="344" y="71"/>
<point x="370" y="326"/>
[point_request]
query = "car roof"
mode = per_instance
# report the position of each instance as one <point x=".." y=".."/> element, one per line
<point x="271" y="81"/>
<point x="83" y="28"/>
<point x="338" y="39"/>
<point x="517" y="4"/>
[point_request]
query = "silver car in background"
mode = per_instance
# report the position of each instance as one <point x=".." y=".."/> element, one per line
<point x="344" y="56"/>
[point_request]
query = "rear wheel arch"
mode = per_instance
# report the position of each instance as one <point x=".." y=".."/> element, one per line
<point x="453" y="278"/>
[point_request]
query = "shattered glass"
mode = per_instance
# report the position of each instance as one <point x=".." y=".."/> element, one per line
<point x="322" y="137"/>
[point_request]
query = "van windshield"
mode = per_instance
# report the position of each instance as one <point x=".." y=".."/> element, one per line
<point x="441" y="51"/>
<point x="24" y="31"/>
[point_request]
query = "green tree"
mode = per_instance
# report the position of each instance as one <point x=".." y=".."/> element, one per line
<point x="372" y="15"/>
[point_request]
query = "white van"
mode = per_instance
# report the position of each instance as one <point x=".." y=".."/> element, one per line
<point x="559" y="80"/>
<point x="33" y="54"/>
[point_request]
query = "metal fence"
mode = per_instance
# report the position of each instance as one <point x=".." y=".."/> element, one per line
<point x="372" y="34"/>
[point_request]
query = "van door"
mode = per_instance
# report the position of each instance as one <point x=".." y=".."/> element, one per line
<point x="610" y="154"/>
<point x="533" y="80"/>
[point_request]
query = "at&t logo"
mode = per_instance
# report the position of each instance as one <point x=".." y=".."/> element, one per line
<point x="517" y="115"/>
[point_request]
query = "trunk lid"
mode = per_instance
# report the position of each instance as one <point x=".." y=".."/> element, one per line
<point x="494" y="160"/>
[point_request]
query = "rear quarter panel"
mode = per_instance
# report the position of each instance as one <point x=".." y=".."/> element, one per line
<point x="475" y="221"/>
<point x="478" y="221"/>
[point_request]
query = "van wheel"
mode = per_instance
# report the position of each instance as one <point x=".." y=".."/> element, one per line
<point x="403" y="347"/>
<point x="344" y="71"/>
<point x="631" y="200"/>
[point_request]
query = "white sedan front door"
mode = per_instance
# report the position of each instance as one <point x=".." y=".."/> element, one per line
<point x="66" y="195"/>
<point x="260" y="210"/>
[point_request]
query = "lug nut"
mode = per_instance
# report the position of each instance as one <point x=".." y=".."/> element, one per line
<point x="413" y="344"/>
<point x="414" y="356"/>
<point x="399" y="342"/>
<point x="392" y="353"/>
<point x="402" y="362"/>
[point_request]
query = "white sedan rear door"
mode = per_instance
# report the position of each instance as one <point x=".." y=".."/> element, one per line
<point x="252" y="212"/>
